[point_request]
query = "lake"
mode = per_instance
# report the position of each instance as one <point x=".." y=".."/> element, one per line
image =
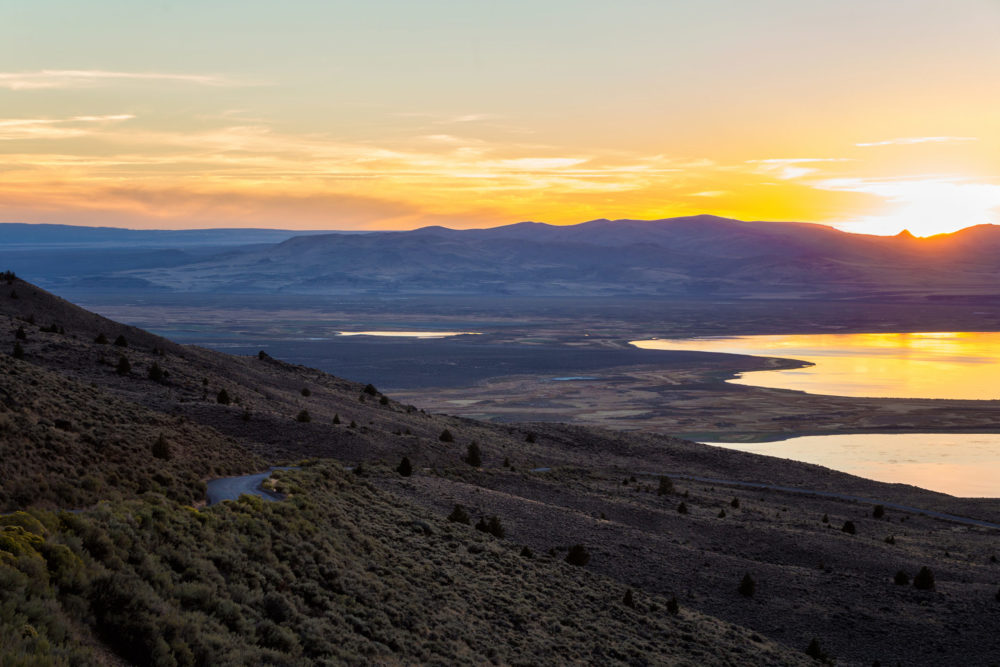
<point x="960" y="464"/>
<point x="964" y="365"/>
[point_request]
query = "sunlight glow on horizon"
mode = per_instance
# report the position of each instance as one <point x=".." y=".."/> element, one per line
<point x="344" y="116"/>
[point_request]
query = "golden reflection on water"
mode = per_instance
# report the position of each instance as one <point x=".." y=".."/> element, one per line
<point x="963" y="365"/>
<point x="960" y="464"/>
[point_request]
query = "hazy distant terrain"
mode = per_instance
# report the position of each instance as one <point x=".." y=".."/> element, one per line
<point x="694" y="258"/>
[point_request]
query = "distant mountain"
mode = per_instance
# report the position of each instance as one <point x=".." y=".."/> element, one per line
<point x="690" y="257"/>
<point x="679" y="257"/>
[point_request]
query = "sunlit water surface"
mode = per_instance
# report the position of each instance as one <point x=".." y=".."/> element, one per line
<point x="408" y="334"/>
<point x="960" y="464"/>
<point x="962" y="365"/>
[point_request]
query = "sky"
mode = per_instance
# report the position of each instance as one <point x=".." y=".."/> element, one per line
<point x="869" y="115"/>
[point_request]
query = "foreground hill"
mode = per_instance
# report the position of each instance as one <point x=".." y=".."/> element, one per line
<point x="693" y="257"/>
<point x="363" y="566"/>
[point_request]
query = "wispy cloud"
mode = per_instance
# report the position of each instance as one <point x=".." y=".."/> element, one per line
<point x="903" y="141"/>
<point x="789" y="168"/>
<point x="72" y="78"/>
<point x="54" y="128"/>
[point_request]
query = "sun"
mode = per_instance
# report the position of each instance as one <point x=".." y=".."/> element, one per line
<point x="927" y="207"/>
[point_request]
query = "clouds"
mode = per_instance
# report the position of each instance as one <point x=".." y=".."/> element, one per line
<point x="906" y="141"/>
<point x="67" y="78"/>
<point x="55" y="128"/>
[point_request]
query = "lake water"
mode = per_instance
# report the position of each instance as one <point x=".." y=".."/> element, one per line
<point x="960" y="464"/>
<point x="962" y="365"/>
<point x="408" y="334"/>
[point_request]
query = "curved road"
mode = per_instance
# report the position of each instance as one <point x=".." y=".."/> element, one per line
<point x="231" y="488"/>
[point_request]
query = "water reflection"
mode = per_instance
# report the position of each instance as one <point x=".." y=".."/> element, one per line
<point x="961" y="365"/>
<point x="963" y="464"/>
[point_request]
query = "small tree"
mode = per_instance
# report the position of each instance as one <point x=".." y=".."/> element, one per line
<point x="263" y="356"/>
<point x="682" y="508"/>
<point x="459" y="515"/>
<point x="578" y="555"/>
<point x="673" y="607"/>
<point x="155" y="372"/>
<point x="222" y="397"/>
<point x="161" y="449"/>
<point x="629" y="600"/>
<point x="120" y="341"/>
<point x="878" y="512"/>
<point x="530" y="438"/>
<point x="722" y="514"/>
<point x="666" y="486"/>
<point x="747" y="586"/>
<point x="384" y="400"/>
<point x="474" y="456"/>
<point x="924" y="581"/>
<point x="123" y="367"/>
<point x="18" y="352"/>
<point x="901" y="578"/>
<point x="19" y="334"/>
<point x="446" y="436"/>
<point x="528" y="553"/>
<point x="306" y="392"/>
<point x="336" y="419"/>
<point x="849" y="528"/>
<point x="101" y="339"/>
<point x="735" y="503"/>
<point x="815" y="652"/>
<point x="371" y="390"/>
<point x="405" y="468"/>
<point x="304" y="417"/>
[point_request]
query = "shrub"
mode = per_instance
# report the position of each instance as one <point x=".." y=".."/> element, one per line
<point x="826" y="518"/>
<point x="629" y="600"/>
<point x="506" y="462"/>
<point x="304" y="417"/>
<point x="336" y="419"/>
<point x="371" y="390"/>
<point x="19" y="334"/>
<point x="446" y="436"/>
<point x="578" y="555"/>
<point x="924" y="581"/>
<point x="666" y="486"/>
<point x="18" y="352"/>
<point x="673" y="607"/>
<point x="492" y="526"/>
<point x="901" y="578"/>
<point x="120" y="341"/>
<point x="878" y="512"/>
<point x="353" y="424"/>
<point x="474" y="456"/>
<point x="263" y="356"/>
<point x="997" y="597"/>
<point x="530" y="438"/>
<point x="849" y="528"/>
<point x="815" y="652"/>
<point x="735" y="503"/>
<point x="405" y="468"/>
<point x="891" y="539"/>
<point x="101" y="339"/>
<point x="384" y="400"/>
<point x="123" y="367"/>
<point x="222" y="397"/>
<point x="306" y="392"/>
<point x="682" y="508"/>
<point x="722" y="514"/>
<point x="528" y="553"/>
<point x="161" y="449"/>
<point x="459" y="515"/>
<point x="155" y="372"/>
<point x="747" y="586"/>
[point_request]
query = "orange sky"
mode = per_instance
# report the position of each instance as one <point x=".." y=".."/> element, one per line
<point x="874" y="116"/>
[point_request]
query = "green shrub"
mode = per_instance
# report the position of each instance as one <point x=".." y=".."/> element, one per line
<point x="578" y="555"/>
<point x="666" y="486"/>
<point x="474" y="456"/>
<point x="405" y="468"/>
<point x="924" y="581"/>
<point x="491" y="526"/>
<point x="459" y="515"/>
<point x="735" y="503"/>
